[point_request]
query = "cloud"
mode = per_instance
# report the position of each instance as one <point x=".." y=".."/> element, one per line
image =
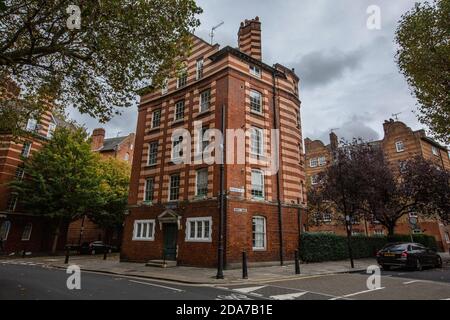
<point x="319" y="68"/>
<point x="355" y="127"/>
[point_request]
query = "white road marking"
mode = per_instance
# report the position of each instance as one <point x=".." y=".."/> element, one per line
<point x="357" y="293"/>
<point x="413" y="281"/>
<point x="249" y="289"/>
<point x="157" y="285"/>
<point x="289" y="296"/>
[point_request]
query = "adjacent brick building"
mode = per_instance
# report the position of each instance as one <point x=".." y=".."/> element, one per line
<point x="399" y="143"/>
<point x="20" y="230"/>
<point x="84" y="230"/>
<point x="175" y="208"/>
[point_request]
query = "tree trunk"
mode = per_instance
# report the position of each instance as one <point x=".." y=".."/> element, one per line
<point x="391" y="231"/>
<point x="349" y="242"/>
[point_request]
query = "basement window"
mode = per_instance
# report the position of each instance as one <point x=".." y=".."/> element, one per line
<point x="26" y="234"/>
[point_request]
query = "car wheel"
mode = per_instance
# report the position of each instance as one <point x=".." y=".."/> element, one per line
<point x="419" y="265"/>
<point x="439" y="262"/>
<point x="386" y="268"/>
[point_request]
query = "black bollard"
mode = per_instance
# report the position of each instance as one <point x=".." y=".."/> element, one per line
<point x="105" y="253"/>
<point x="244" y="265"/>
<point x="66" y="261"/>
<point x="23" y="253"/>
<point x="297" y="263"/>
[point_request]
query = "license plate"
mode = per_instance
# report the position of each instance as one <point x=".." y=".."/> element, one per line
<point x="388" y="254"/>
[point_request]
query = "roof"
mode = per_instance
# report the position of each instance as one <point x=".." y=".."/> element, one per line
<point x="236" y="52"/>
<point x="434" y="143"/>
<point x="111" y="143"/>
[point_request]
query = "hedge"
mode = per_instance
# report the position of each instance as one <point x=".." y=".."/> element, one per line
<point x="318" y="247"/>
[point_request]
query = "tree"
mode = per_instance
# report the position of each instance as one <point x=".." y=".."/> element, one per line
<point x="343" y="185"/>
<point x="424" y="59"/>
<point x="114" y="182"/>
<point x="119" y="47"/>
<point x="62" y="182"/>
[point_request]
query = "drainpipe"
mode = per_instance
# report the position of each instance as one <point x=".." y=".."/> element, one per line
<point x="275" y="125"/>
<point x="222" y="205"/>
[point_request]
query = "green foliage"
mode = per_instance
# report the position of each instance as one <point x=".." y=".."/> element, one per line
<point x="424" y="58"/>
<point x="61" y="180"/>
<point x="120" y="47"/>
<point x="65" y="180"/>
<point x="318" y="247"/>
<point x="113" y="189"/>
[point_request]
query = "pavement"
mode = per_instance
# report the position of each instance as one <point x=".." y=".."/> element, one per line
<point x="193" y="275"/>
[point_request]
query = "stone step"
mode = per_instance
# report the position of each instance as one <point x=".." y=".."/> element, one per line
<point x="161" y="263"/>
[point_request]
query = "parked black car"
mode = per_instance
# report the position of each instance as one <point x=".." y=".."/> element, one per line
<point x="96" y="247"/>
<point x="409" y="255"/>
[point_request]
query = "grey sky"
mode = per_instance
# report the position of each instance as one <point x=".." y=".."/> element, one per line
<point x="349" y="79"/>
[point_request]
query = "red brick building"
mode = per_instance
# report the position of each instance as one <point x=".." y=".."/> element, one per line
<point x="175" y="208"/>
<point x="84" y="230"/>
<point x="399" y="143"/>
<point x="20" y="230"/>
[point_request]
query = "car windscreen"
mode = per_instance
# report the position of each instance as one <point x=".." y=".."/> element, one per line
<point x="396" y="247"/>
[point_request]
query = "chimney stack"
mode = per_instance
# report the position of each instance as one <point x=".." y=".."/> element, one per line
<point x="250" y="38"/>
<point x="334" y="143"/>
<point x="98" y="138"/>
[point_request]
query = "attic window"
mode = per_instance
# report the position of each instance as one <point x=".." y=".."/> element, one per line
<point x="255" y="71"/>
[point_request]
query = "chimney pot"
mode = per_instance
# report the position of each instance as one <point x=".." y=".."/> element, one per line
<point x="249" y="36"/>
<point x="98" y="138"/>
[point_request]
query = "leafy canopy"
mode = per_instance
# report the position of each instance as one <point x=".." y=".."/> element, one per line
<point x="423" y="37"/>
<point x="120" y="45"/>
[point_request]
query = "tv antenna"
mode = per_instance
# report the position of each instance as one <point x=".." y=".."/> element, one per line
<point x="395" y="115"/>
<point x="213" y="29"/>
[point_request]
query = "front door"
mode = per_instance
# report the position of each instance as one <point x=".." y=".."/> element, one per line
<point x="170" y="241"/>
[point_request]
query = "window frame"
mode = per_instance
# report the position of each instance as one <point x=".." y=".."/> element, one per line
<point x="32" y="128"/>
<point x="202" y="170"/>
<point x="51" y="130"/>
<point x="253" y="101"/>
<point x="20" y="169"/>
<point x="196" y="220"/>
<point x="151" y="222"/>
<point x="261" y="147"/>
<point x="171" y="187"/>
<point x="150" y="155"/>
<point x="264" y="220"/>
<point x="203" y="95"/>
<point x="314" y="180"/>
<point x="177" y="113"/>
<point x="252" y="190"/>
<point x="146" y="192"/>
<point x="255" y="71"/>
<point x="322" y="161"/>
<point x="9" y="224"/>
<point x="435" y="151"/>
<point x="182" y="78"/>
<point x="154" y="112"/>
<point x="12" y="196"/>
<point x="165" y="87"/>
<point x="313" y="160"/>
<point x="397" y="146"/>
<point x="26" y="154"/>
<point x="29" y="232"/>
<point x="199" y="68"/>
